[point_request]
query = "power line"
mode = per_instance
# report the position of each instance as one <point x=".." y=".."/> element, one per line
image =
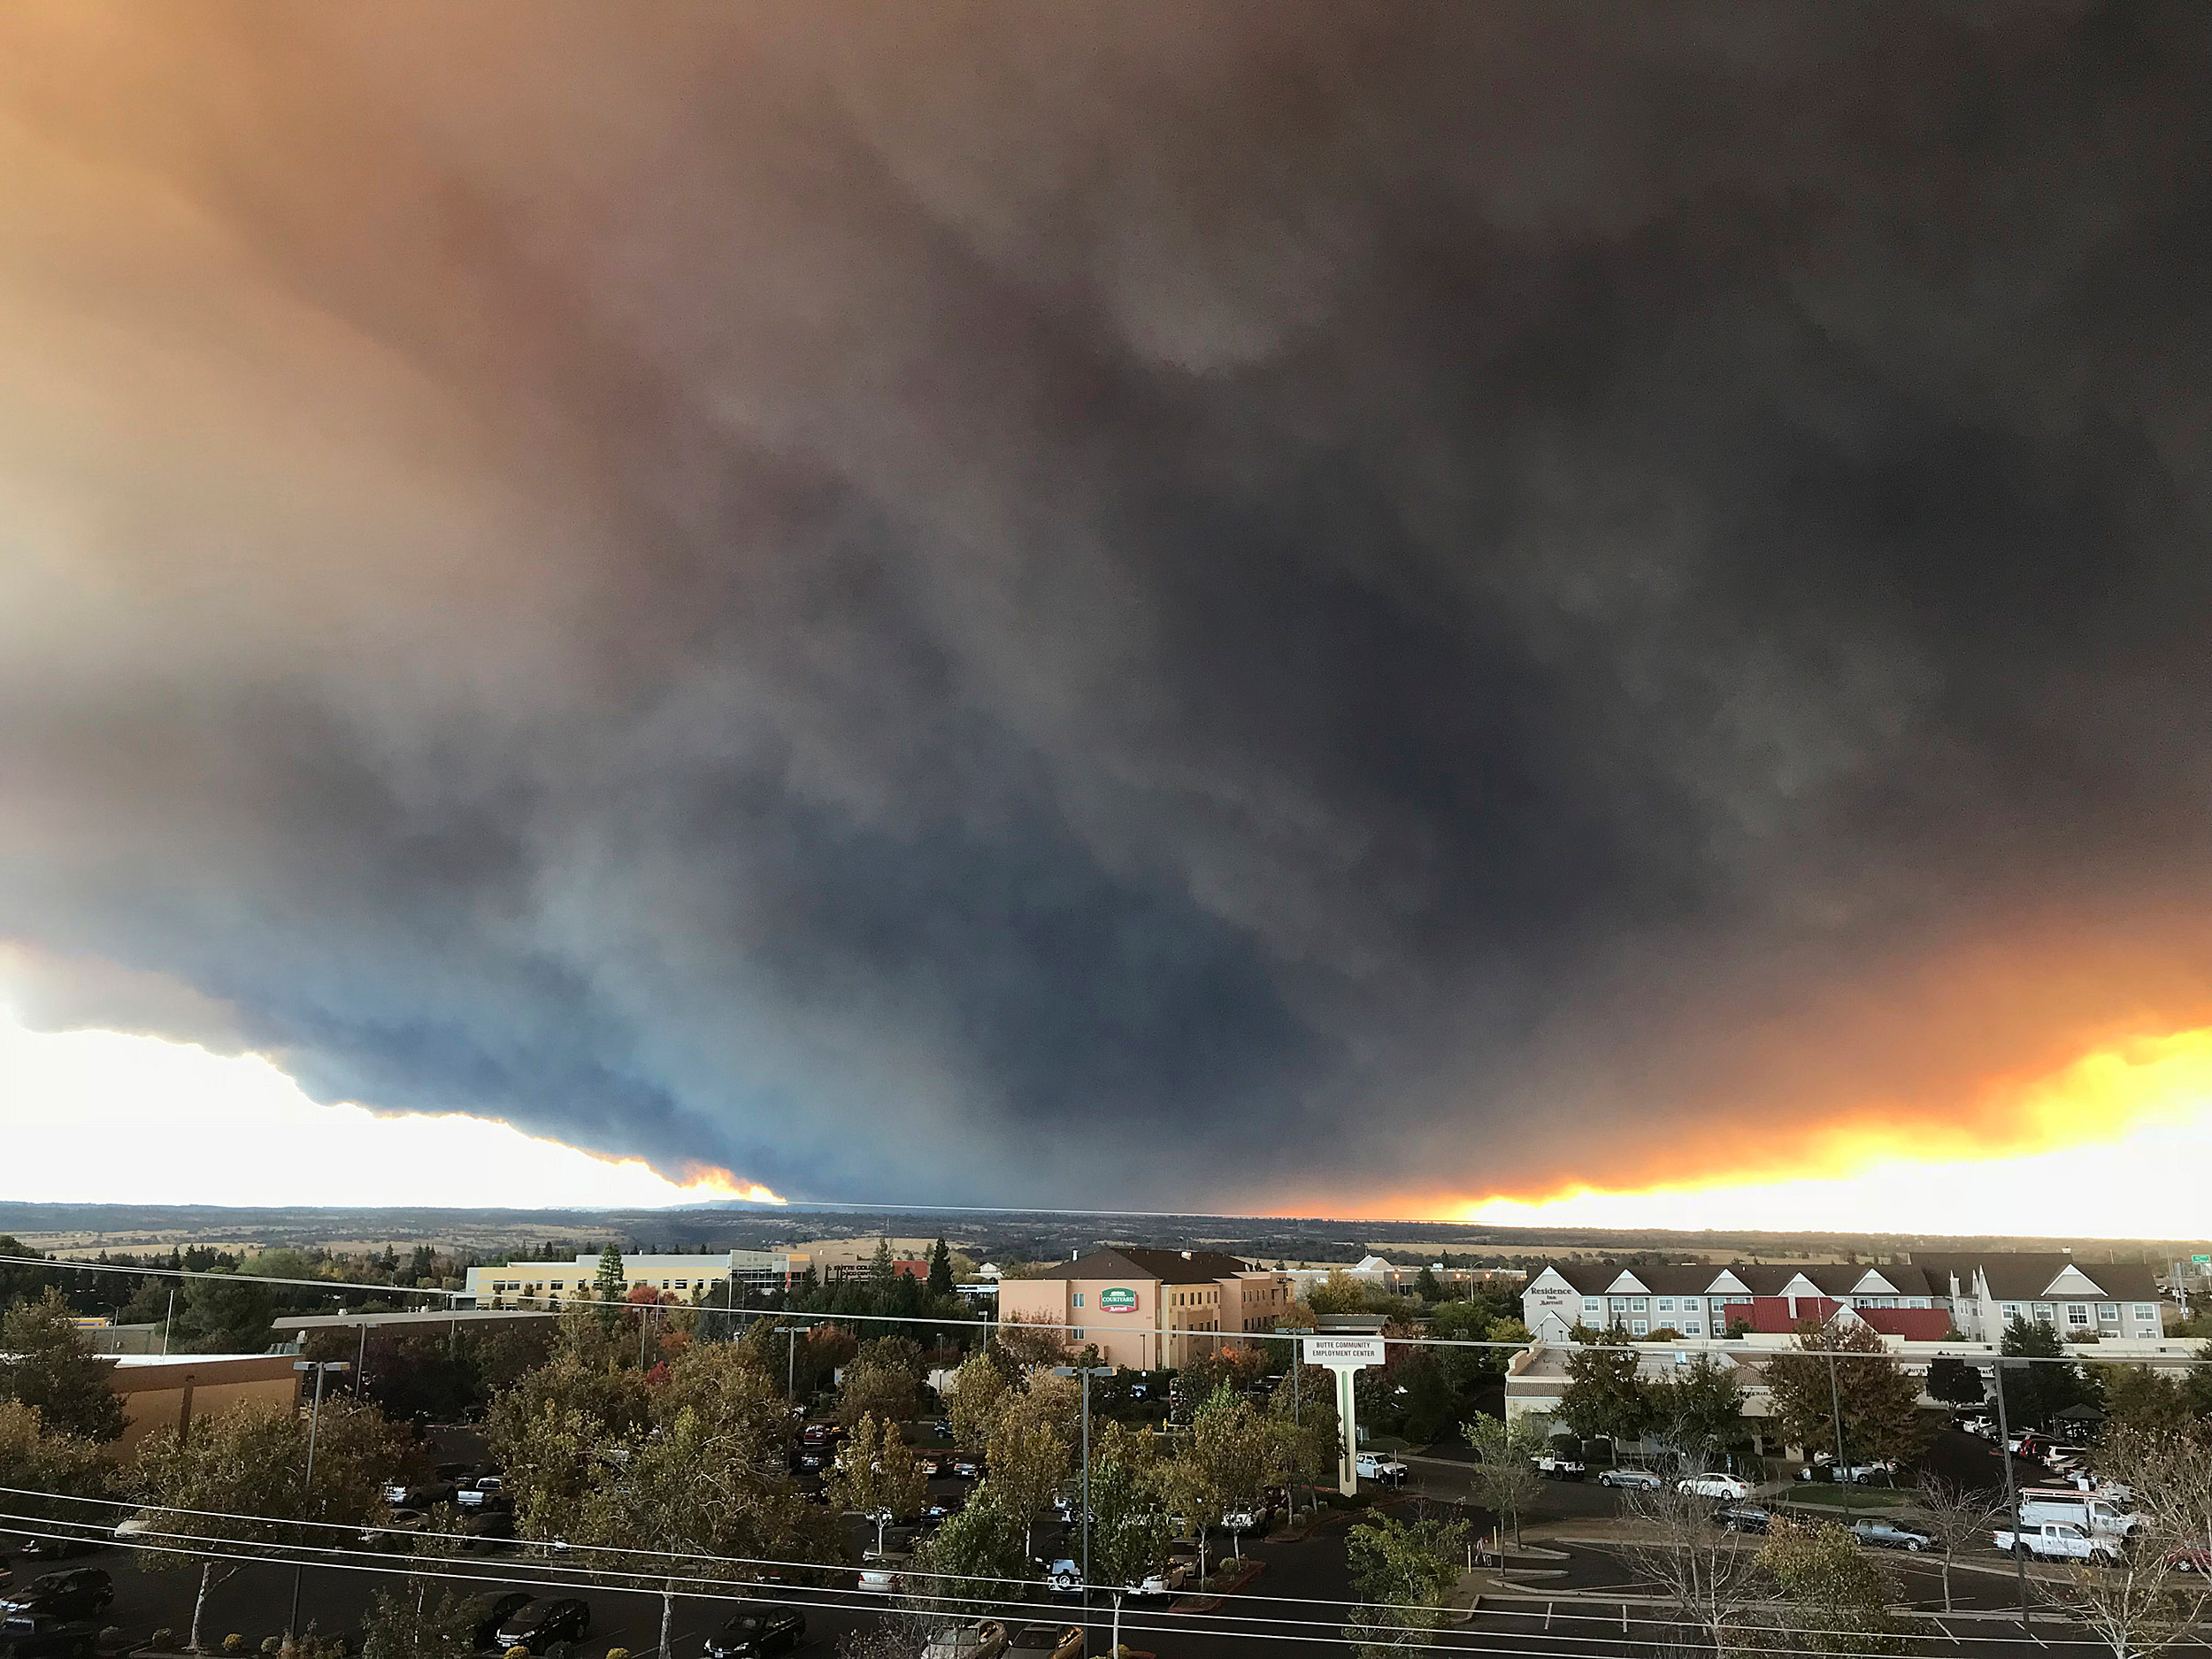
<point x="589" y="1551"/>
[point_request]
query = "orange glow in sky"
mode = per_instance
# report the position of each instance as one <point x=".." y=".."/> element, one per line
<point x="2113" y="1146"/>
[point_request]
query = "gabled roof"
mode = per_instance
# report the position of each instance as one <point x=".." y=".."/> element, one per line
<point x="1627" y="1284"/>
<point x="2043" y="1275"/>
<point x="1170" y="1267"/>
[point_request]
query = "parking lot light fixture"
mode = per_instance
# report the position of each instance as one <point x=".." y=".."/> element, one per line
<point x="321" y="1368"/>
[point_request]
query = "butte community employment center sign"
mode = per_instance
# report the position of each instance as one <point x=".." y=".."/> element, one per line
<point x="1347" y="1356"/>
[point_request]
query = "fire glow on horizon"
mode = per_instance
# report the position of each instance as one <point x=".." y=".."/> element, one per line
<point x="2113" y="1146"/>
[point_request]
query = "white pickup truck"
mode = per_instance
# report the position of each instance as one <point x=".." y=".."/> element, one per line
<point x="1560" y="1468"/>
<point x="2054" y="1540"/>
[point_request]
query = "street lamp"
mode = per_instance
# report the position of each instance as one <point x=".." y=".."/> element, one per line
<point x="1297" y="1365"/>
<point x="321" y="1368"/>
<point x="791" y="1361"/>
<point x="1085" y="1372"/>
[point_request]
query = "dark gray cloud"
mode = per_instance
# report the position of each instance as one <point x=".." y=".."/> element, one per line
<point x="1227" y="604"/>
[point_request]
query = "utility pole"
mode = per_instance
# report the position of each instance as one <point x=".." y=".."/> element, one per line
<point x="167" y="1319"/>
<point x="1085" y="1372"/>
<point x="307" y="1482"/>
<point x="1835" y="1404"/>
<point x="2012" y="1498"/>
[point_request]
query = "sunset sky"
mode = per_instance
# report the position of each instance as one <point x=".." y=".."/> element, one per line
<point x="1494" y="610"/>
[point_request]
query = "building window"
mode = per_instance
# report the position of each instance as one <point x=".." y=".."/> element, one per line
<point x="1638" y="1306"/>
<point x="1692" y="1327"/>
<point x="1639" y="1326"/>
<point x="1079" y="1298"/>
<point x="1590" y="1304"/>
<point x="1078" y="1333"/>
<point x="2108" y="1313"/>
<point x="2012" y="1310"/>
<point x="1690" y="1304"/>
<point x="2077" y="1314"/>
<point x="1666" y="1304"/>
<point x="2146" y="1314"/>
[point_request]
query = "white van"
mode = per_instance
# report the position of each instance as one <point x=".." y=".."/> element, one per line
<point x="2049" y="1506"/>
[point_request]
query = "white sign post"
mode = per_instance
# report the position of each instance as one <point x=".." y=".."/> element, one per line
<point x="1347" y="1356"/>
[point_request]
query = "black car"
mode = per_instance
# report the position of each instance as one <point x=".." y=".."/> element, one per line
<point x="77" y="1593"/>
<point x="487" y="1613"/>
<point x="537" y="1625"/>
<point x="41" y="1636"/>
<point x="1743" y="1517"/>
<point x="759" y="1630"/>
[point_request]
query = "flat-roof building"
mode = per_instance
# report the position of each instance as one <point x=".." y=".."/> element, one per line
<point x="548" y="1283"/>
<point x="1147" y="1308"/>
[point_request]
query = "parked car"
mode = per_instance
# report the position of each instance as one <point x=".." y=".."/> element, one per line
<point x="1377" y="1466"/>
<point x="73" y="1592"/>
<point x="538" y="1624"/>
<point x="1157" y="1585"/>
<point x="1063" y="1577"/>
<point x="483" y="1489"/>
<point x="1732" y="1487"/>
<point x="1744" y="1517"/>
<point x="44" y="1546"/>
<point x="402" y="1496"/>
<point x="1635" y="1479"/>
<point x="2189" y="1560"/>
<point x="879" y="1572"/>
<point x="820" y="1434"/>
<point x="1889" y="1535"/>
<point x="943" y="1426"/>
<point x="1047" y="1642"/>
<point x="42" y="1636"/>
<point x="968" y="1465"/>
<point x="1560" y="1468"/>
<point x="2054" y="1540"/>
<point x="486" y="1612"/>
<point x="1251" y="1520"/>
<point x="985" y="1639"/>
<point x="757" y="1631"/>
<point x="934" y="1464"/>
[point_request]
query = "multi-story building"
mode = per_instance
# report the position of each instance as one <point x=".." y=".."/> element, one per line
<point x="1149" y="1308"/>
<point x="1925" y="1299"/>
<point x="548" y="1283"/>
<point x="2078" y="1299"/>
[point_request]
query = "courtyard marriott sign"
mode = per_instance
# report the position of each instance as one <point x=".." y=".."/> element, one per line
<point x="1118" y="1299"/>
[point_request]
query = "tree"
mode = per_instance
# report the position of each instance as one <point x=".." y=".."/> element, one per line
<point x="552" y="1430"/>
<point x="1426" y="1287"/>
<point x="35" y="1459"/>
<point x="1835" y="1598"/>
<point x="1028" y="1460"/>
<point x="1306" y="1428"/>
<point x="876" y="1476"/>
<point x="226" y="1315"/>
<point x="1699" y="1410"/>
<point x="2144" y="1601"/>
<point x="1504" y="1479"/>
<point x="705" y="1479"/>
<point x="46" y="1362"/>
<point x="1401" y="1571"/>
<point x="941" y="1270"/>
<point x="1129" y="1533"/>
<point x="885" y="1392"/>
<point x="1603" y="1394"/>
<point x="1710" y="1584"/>
<point x="2047" y="1384"/>
<point x="1231" y="1452"/>
<point x="1956" y="1516"/>
<point x="973" y="1564"/>
<point x="251" y="1462"/>
<point x="610" y="1285"/>
<point x="407" y="1624"/>
<point x="2142" y="1398"/>
<point x="1956" y="1383"/>
<point x="1028" y="1344"/>
<point x="1881" y="1404"/>
<point x="977" y="1388"/>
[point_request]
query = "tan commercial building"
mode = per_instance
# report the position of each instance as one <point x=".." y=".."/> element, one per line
<point x="1149" y="1309"/>
<point x="172" y="1392"/>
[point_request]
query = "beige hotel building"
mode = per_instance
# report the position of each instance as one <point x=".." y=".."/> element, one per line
<point x="1149" y="1309"/>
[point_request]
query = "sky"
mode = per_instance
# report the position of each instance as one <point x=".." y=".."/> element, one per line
<point x="1219" y="606"/>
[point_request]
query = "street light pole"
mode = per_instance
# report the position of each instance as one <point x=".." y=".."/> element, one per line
<point x="1835" y="1404"/>
<point x="1085" y="1372"/>
<point x="307" y="1482"/>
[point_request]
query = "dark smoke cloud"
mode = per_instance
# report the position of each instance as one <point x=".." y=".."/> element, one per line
<point x="1201" y="604"/>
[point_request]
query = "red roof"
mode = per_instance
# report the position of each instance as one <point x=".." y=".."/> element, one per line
<point x="1915" y="1325"/>
<point x="1778" y="1316"/>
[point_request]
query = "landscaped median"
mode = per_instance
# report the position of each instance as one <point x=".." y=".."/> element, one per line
<point x="1233" y="1576"/>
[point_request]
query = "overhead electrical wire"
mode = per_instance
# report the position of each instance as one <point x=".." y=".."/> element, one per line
<point x="589" y="1551"/>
